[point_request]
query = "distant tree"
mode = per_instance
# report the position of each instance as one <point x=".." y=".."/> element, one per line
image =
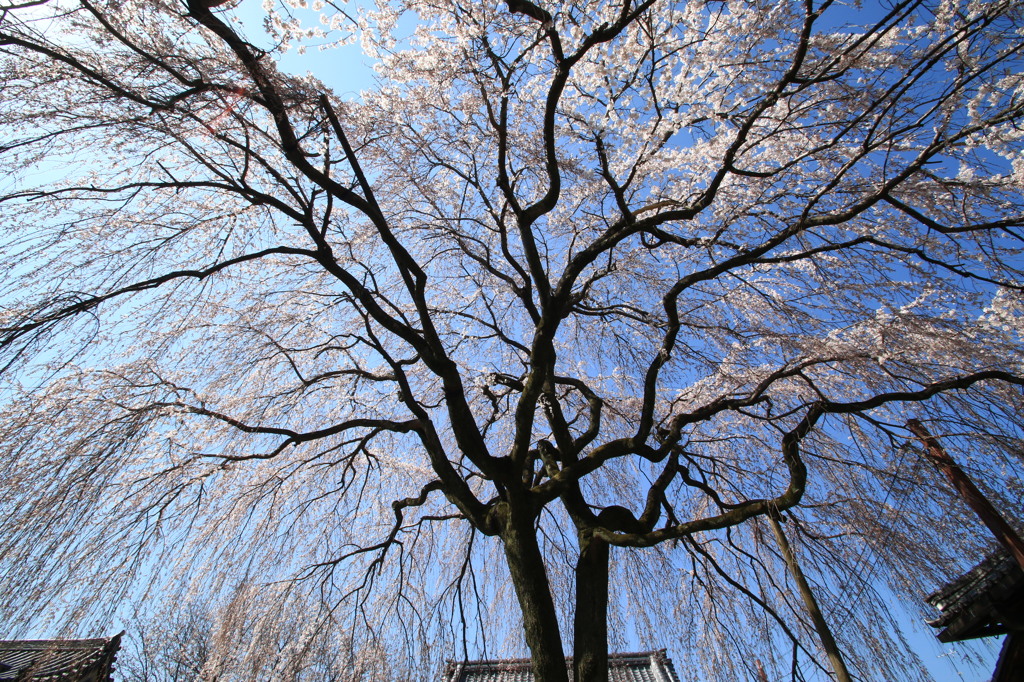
<point x="555" y="316"/>
<point x="173" y="647"/>
<point x="241" y="639"/>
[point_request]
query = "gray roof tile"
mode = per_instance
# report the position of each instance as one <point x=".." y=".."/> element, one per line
<point x="57" y="660"/>
<point x="981" y="602"/>
<point x="649" y="666"/>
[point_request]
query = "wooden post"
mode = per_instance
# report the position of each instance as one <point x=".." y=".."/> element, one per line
<point x="974" y="498"/>
<point x="828" y="642"/>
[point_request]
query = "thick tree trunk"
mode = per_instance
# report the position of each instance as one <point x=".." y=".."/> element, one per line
<point x="828" y="642"/>
<point x="970" y="493"/>
<point x="590" y="625"/>
<point x="530" y="580"/>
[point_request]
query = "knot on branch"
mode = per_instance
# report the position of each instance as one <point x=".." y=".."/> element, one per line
<point x="619" y="520"/>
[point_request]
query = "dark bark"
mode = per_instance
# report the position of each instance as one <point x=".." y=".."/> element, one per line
<point x="975" y="499"/>
<point x="590" y="625"/>
<point x="828" y="642"/>
<point x="529" y="577"/>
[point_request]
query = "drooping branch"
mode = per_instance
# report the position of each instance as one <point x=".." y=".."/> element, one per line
<point x="63" y="311"/>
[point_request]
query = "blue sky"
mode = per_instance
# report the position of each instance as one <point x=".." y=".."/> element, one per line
<point x="345" y="68"/>
<point x="348" y="71"/>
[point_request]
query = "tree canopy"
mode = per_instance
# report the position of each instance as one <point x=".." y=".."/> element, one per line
<point x="555" y="321"/>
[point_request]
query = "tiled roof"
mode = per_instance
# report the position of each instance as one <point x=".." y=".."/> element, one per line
<point x="57" y="660"/>
<point x="649" y="666"/>
<point x="977" y="603"/>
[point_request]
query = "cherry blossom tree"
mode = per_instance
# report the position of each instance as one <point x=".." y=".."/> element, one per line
<point x="175" y="644"/>
<point x="550" y="322"/>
